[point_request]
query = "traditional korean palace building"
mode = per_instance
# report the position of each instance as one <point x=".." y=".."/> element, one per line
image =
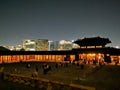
<point x="91" y="50"/>
<point x="95" y="49"/>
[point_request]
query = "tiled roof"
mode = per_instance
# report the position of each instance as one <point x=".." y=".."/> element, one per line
<point x="93" y="41"/>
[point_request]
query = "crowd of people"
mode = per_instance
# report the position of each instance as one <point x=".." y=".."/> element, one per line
<point x="44" y="68"/>
<point x="50" y="69"/>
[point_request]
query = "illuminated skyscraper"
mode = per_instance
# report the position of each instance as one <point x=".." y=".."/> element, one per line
<point x="53" y="45"/>
<point x="65" y="45"/>
<point x="42" y="45"/>
<point x="29" y="45"/>
<point x="18" y="47"/>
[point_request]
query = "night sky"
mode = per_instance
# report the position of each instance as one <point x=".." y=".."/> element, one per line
<point x="59" y="19"/>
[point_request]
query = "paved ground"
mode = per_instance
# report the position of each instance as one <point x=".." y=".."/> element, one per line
<point x="103" y="78"/>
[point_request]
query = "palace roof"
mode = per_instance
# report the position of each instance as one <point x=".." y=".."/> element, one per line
<point x="93" y="41"/>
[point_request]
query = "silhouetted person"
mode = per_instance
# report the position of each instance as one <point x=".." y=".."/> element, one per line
<point x="66" y="64"/>
<point x="36" y="68"/>
<point x="77" y="64"/>
<point x="82" y="66"/>
<point x="56" y="65"/>
<point x="35" y="74"/>
<point x="28" y="65"/>
<point x="116" y="62"/>
<point x="46" y="68"/>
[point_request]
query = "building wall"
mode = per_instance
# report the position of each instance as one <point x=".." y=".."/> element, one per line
<point x="29" y="45"/>
<point x="34" y="58"/>
<point x="89" y="58"/>
<point x="65" y="45"/>
<point x="86" y="58"/>
<point x="42" y="45"/>
<point x="115" y="59"/>
<point x="53" y="45"/>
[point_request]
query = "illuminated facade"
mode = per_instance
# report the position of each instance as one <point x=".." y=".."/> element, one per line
<point x="42" y="45"/>
<point x="94" y="49"/>
<point x="60" y="45"/>
<point x="65" y="45"/>
<point x="87" y="53"/>
<point x="93" y="42"/>
<point x="18" y="47"/>
<point x="35" y="56"/>
<point x="53" y="45"/>
<point x="29" y="45"/>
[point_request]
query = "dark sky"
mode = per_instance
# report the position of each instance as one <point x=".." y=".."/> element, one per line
<point x="58" y="19"/>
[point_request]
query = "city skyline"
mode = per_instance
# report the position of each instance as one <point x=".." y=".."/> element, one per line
<point x="58" y="20"/>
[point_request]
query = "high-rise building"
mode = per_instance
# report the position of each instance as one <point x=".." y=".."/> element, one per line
<point x="18" y="47"/>
<point x="53" y="45"/>
<point x="42" y="45"/>
<point x="29" y="45"/>
<point x="65" y="45"/>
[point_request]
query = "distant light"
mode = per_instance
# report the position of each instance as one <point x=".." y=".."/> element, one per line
<point x="72" y="40"/>
<point x="50" y="41"/>
<point x="116" y="46"/>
